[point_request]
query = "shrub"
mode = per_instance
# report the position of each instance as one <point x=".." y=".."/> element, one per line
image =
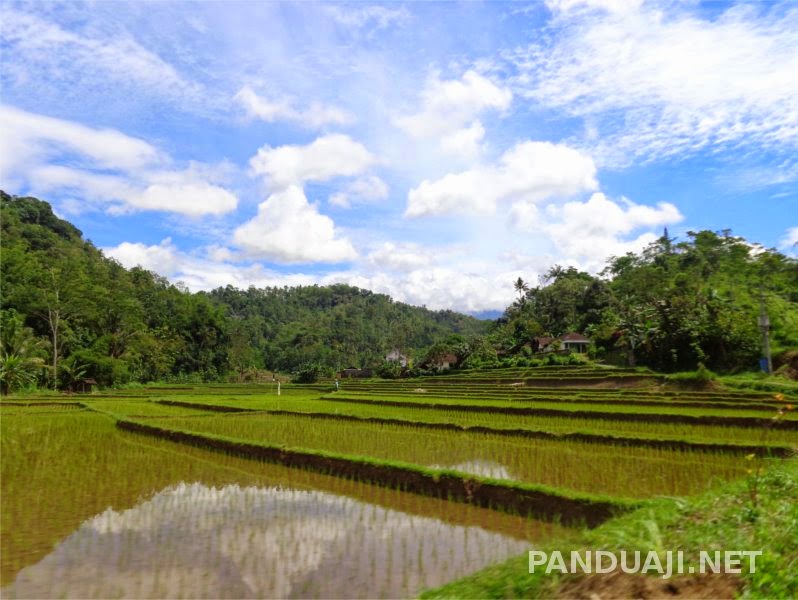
<point x="308" y="374"/>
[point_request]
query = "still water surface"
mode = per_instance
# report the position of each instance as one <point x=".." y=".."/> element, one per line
<point x="196" y="541"/>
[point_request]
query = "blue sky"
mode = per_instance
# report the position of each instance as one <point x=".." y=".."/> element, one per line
<point x="432" y="151"/>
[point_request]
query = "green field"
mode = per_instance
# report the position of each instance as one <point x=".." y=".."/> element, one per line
<point x="404" y="451"/>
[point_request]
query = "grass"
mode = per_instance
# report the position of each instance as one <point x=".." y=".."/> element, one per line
<point x="722" y="519"/>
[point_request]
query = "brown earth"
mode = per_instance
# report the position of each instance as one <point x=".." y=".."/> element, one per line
<point x="620" y="585"/>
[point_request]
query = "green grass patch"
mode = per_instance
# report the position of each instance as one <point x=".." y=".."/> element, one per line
<point x="727" y="518"/>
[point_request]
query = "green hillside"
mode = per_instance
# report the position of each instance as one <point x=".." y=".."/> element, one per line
<point x="71" y="313"/>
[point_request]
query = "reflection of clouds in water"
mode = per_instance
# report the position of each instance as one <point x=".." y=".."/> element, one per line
<point x="196" y="541"/>
<point x="482" y="468"/>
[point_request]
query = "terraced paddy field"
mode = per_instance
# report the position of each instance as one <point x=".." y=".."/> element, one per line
<point x="92" y="511"/>
<point x="383" y="488"/>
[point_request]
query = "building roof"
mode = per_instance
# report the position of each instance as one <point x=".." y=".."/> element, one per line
<point x="575" y="337"/>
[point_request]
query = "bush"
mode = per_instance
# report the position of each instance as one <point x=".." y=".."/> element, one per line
<point x="701" y="376"/>
<point x="106" y="371"/>
<point x="390" y="369"/>
<point x="308" y="374"/>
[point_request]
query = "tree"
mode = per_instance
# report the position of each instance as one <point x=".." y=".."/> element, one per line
<point x="21" y="352"/>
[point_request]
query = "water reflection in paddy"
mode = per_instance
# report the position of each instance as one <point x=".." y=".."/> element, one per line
<point x="191" y="540"/>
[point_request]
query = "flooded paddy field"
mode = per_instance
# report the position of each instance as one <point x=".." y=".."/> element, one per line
<point x="623" y="471"/>
<point x="90" y="511"/>
<point x="93" y="511"/>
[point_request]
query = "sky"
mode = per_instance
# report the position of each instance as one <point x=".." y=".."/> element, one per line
<point x="432" y="151"/>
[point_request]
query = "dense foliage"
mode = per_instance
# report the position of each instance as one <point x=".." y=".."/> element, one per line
<point x="70" y="314"/>
<point x="334" y="327"/>
<point x="674" y="306"/>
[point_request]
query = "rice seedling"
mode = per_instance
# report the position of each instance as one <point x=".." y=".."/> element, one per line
<point x="600" y="468"/>
<point x="60" y="471"/>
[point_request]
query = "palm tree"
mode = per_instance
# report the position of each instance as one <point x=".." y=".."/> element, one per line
<point x="17" y="371"/>
<point x="21" y="353"/>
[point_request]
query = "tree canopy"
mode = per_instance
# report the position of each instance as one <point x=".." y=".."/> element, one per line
<point x="671" y="307"/>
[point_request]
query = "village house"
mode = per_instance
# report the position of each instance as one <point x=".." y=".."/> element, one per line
<point x="571" y="342"/>
<point x="575" y="342"/>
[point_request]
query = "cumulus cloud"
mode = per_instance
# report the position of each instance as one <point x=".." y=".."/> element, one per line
<point x="105" y="167"/>
<point x="163" y="258"/>
<point x="439" y="287"/>
<point x="288" y="229"/>
<point x="363" y="189"/>
<point x="449" y="111"/>
<point x="329" y="156"/>
<point x="205" y="269"/>
<point x="315" y="116"/>
<point x="532" y="171"/>
<point x="592" y="231"/>
<point x="662" y="82"/>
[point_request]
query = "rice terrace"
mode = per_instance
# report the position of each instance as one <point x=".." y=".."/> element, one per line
<point x="383" y="488"/>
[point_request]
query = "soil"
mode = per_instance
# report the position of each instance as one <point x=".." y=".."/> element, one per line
<point x="620" y="585"/>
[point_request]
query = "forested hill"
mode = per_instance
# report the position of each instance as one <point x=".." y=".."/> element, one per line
<point x="334" y="326"/>
<point x="70" y="312"/>
<point x="671" y="307"/>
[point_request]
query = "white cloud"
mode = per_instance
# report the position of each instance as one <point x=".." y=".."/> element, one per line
<point x="612" y="6"/>
<point x="45" y="137"/>
<point x="466" y="142"/>
<point x="662" y="81"/>
<point x="401" y="257"/>
<point x="38" y="53"/>
<point x="288" y="229"/>
<point x="363" y="189"/>
<point x="163" y="258"/>
<point x="449" y="105"/>
<point x="317" y="115"/>
<point x="450" y="109"/>
<point x="327" y="157"/>
<point x="188" y="198"/>
<point x="379" y="17"/>
<point x="532" y="171"/>
<point x="439" y="287"/>
<point x="106" y="168"/>
<point x="789" y="243"/>
<point x="216" y="269"/>
<point x="594" y="230"/>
